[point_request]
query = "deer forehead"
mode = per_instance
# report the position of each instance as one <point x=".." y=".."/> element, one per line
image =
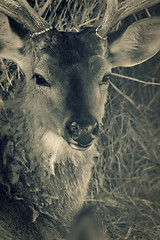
<point x="69" y="48"/>
<point x="49" y="65"/>
<point x="54" y="52"/>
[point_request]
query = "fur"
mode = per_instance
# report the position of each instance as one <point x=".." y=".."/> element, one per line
<point x="39" y="168"/>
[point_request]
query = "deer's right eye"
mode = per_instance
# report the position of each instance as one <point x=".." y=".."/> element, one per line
<point x="41" y="80"/>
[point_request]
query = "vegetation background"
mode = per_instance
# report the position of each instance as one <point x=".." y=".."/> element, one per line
<point x="125" y="187"/>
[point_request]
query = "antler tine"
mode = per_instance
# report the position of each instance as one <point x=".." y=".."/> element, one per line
<point x="23" y="13"/>
<point x="117" y="12"/>
<point x="129" y="7"/>
<point x="112" y="7"/>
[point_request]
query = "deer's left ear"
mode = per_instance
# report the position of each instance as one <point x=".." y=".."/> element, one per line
<point x="139" y="42"/>
<point x="11" y="39"/>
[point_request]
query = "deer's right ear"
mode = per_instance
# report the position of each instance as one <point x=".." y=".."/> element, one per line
<point x="10" y="41"/>
<point x="139" y="42"/>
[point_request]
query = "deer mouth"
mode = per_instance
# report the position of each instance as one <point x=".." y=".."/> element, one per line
<point x="80" y="147"/>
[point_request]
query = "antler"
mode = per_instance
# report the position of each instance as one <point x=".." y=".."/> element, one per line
<point x="23" y="13"/>
<point x="112" y="7"/>
<point x="117" y="12"/>
<point x="132" y="6"/>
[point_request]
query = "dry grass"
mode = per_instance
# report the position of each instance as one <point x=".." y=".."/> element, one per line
<point x="126" y="176"/>
<point x="125" y="186"/>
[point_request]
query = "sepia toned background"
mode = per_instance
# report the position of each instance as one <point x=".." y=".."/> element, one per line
<point x="125" y="187"/>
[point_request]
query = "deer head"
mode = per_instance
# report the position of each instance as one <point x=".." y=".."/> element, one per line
<point x="66" y="73"/>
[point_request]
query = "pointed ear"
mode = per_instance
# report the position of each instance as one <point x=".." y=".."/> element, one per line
<point x="11" y="40"/>
<point x="139" y="42"/>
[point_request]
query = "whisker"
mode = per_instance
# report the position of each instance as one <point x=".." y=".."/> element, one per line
<point x="133" y="79"/>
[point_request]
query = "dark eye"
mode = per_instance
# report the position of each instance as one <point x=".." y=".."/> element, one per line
<point x="41" y="80"/>
<point x="105" y="79"/>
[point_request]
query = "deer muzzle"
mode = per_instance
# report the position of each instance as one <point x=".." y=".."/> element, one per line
<point x="80" y="134"/>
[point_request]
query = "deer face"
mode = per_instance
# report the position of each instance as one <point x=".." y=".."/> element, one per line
<point x="65" y="79"/>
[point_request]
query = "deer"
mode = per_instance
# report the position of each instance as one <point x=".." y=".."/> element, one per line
<point x="50" y="124"/>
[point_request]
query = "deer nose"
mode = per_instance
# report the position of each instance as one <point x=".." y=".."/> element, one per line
<point x="81" y="133"/>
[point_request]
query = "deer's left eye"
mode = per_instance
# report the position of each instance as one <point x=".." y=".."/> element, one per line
<point x="105" y="79"/>
<point x="41" y="81"/>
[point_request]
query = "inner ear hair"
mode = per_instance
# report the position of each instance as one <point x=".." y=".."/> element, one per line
<point x="18" y="28"/>
<point x="111" y="37"/>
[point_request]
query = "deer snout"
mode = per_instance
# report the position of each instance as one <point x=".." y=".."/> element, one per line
<point x="80" y="134"/>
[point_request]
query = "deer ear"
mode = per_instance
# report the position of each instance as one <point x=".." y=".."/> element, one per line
<point x="139" y="42"/>
<point x="11" y="40"/>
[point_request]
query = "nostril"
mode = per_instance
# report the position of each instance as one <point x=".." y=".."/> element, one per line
<point x="74" y="129"/>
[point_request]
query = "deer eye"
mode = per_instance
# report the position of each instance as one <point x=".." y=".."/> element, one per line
<point x="41" y="80"/>
<point x="105" y="79"/>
